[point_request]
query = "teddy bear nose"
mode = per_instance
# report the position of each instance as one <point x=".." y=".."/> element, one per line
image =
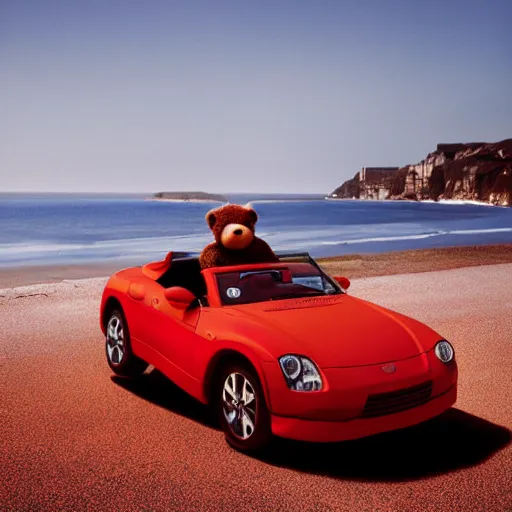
<point x="238" y="232"/>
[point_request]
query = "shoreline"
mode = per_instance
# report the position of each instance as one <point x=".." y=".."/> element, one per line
<point x="353" y="266"/>
<point x="453" y="202"/>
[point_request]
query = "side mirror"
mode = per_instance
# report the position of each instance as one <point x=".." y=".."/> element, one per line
<point x="344" y="282"/>
<point x="179" y="297"/>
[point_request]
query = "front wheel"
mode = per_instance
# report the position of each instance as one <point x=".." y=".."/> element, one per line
<point x="242" y="408"/>
<point x="120" y="357"/>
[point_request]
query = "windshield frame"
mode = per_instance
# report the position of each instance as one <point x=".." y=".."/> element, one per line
<point x="214" y="291"/>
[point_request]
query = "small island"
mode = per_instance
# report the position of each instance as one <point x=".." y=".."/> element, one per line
<point x="190" y="196"/>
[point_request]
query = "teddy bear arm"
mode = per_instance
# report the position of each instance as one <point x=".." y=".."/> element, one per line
<point x="210" y="256"/>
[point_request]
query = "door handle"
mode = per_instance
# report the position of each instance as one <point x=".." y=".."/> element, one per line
<point x="210" y="335"/>
<point x="155" y="301"/>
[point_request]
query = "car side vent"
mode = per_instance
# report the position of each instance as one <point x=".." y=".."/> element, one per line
<point x="396" y="401"/>
<point x="305" y="303"/>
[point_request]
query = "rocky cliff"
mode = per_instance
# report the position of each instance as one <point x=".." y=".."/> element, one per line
<point x="482" y="172"/>
<point x="349" y="189"/>
<point x="476" y="171"/>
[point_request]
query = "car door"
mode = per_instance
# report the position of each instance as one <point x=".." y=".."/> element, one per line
<point x="171" y="332"/>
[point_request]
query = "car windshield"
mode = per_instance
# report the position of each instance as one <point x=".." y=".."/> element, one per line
<point x="297" y="280"/>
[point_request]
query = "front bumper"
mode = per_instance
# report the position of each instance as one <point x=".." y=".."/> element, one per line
<point x="333" y="431"/>
<point x="341" y="410"/>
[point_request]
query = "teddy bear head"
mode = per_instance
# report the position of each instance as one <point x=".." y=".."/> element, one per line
<point x="233" y="225"/>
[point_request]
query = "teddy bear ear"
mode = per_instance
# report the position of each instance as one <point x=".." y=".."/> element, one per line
<point x="252" y="214"/>
<point x="210" y="218"/>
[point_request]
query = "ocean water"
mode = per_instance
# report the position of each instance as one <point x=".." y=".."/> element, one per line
<point x="66" y="229"/>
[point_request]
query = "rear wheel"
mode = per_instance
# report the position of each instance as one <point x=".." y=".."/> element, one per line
<point x="242" y="409"/>
<point x="120" y="357"/>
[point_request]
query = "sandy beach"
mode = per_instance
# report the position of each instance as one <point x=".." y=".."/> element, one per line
<point x="422" y="260"/>
<point x="76" y="438"/>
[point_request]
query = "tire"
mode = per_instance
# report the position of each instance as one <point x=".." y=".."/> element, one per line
<point x="254" y="412"/>
<point x="120" y="358"/>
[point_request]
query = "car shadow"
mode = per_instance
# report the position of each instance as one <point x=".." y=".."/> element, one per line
<point x="159" y="390"/>
<point x="450" y="442"/>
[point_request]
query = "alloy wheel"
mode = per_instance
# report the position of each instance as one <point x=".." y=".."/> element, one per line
<point x="239" y="405"/>
<point x="115" y="340"/>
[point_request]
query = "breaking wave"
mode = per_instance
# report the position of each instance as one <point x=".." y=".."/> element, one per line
<point x="417" y="237"/>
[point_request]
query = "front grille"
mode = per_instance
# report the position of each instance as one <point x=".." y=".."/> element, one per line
<point x="396" y="401"/>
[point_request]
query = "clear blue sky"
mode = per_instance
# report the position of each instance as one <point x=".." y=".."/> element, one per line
<point x="268" y="96"/>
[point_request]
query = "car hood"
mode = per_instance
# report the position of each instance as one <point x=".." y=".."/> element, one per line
<point x="338" y="331"/>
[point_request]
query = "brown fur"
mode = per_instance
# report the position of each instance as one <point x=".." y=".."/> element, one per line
<point x="223" y="222"/>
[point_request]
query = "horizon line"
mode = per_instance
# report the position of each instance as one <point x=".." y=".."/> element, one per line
<point x="150" y="193"/>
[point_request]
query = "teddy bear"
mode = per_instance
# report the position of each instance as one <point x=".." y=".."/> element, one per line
<point x="233" y="227"/>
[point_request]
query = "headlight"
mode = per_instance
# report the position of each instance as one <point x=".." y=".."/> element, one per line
<point x="300" y="373"/>
<point x="444" y="351"/>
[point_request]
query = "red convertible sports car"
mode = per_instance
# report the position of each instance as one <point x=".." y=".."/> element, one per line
<point x="277" y="349"/>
